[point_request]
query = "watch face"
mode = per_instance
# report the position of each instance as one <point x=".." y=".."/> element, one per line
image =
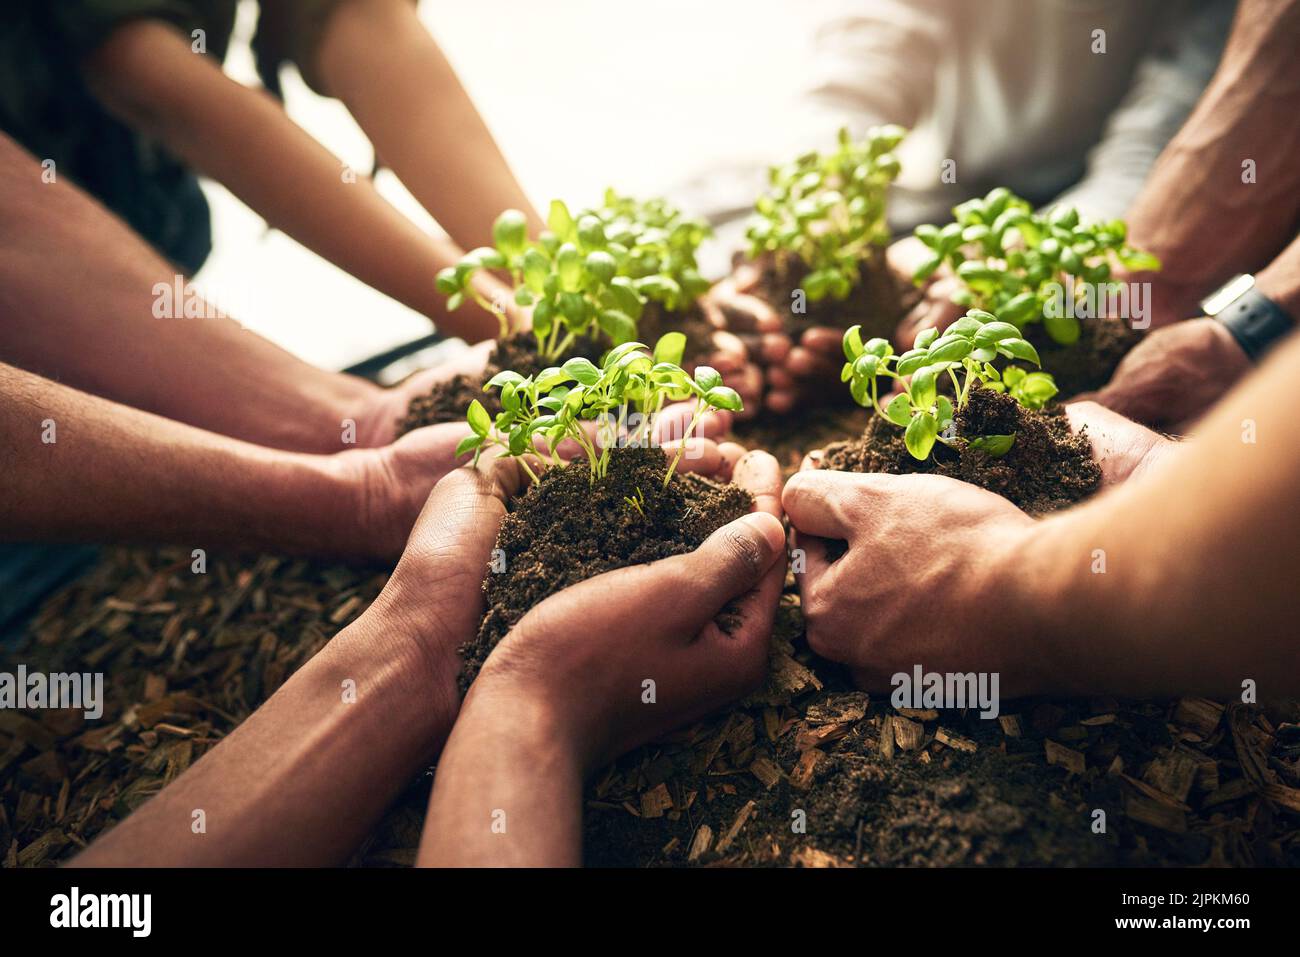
<point x="1227" y="294"/>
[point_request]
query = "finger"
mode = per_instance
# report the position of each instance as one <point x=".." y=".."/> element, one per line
<point x="813" y="460"/>
<point x="732" y="453"/>
<point x="700" y="456"/>
<point x="824" y="341"/>
<point x="806" y="364"/>
<point x="814" y="553"/>
<point x="778" y="377"/>
<point x="774" y="347"/>
<point x="780" y="402"/>
<point x="671" y="423"/>
<point x="760" y="474"/>
<point x="686" y="592"/>
<point x="457" y="528"/>
<point x="818" y="503"/>
<point x="745" y="313"/>
<point x="730" y="350"/>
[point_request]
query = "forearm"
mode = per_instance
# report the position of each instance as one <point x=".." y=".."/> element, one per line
<point x="305" y="778"/>
<point x="81" y="468"/>
<point x="1199" y="212"/>
<point x="146" y="74"/>
<point x="508" y="791"/>
<point x="379" y="59"/>
<point x="100" y="331"/>
<point x="1182" y="580"/>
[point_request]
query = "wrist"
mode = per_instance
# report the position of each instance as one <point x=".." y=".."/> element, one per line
<point x="528" y="722"/>
<point x="417" y="679"/>
<point x="1275" y="283"/>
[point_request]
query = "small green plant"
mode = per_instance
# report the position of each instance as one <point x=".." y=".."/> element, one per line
<point x="661" y="245"/>
<point x="1033" y="390"/>
<point x="965" y="353"/>
<point x="587" y="276"/>
<point x="1013" y="261"/>
<point x="828" y="210"/>
<point x="628" y="390"/>
<point x="636" y="502"/>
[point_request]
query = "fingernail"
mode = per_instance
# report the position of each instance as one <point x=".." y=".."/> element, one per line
<point x="769" y="527"/>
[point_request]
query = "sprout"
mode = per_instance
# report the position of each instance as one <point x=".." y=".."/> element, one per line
<point x="828" y="210"/>
<point x="1011" y="260"/>
<point x="631" y="386"/>
<point x="965" y="353"/>
<point x="589" y="276"/>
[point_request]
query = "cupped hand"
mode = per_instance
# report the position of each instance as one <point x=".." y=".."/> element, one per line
<point x="1175" y="374"/>
<point x="377" y="422"/>
<point x="925" y="580"/>
<point x="749" y="338"/>
<point x="1123" y="448"/>
<point x="588" y="654"/>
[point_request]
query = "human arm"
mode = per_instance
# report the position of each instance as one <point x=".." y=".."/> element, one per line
<point x="94" y="323"/>
<point x="146" y="75"/>
<point x="271" y="792"/>
<point x="563" y="691"/>
<point x="1221" y="199"/>
<point x="1177" y="581"/>
<point x="380" y="60"/>
<point x="1177" y="372"/>
<point x="82" y="468"/>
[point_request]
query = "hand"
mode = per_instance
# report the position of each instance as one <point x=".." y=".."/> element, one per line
<point x="924" y="580"/>
<point x="810" y="370"/>
<point x="1175" y="373"/>
<point x="1120" y="446"/>
<point x="377" y="420"/>
<point x="935" y="307"/>
<point x="574" y="658"/>
<point x="750" y="335"/>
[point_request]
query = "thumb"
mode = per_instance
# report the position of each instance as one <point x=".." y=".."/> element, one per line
<point x="730" y="562"/>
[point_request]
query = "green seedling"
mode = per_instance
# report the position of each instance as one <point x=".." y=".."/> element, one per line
<point x="589" y="276"/>
<point x="827" y="210"/>
<point x="629" y="388"/>
<point x="1033" y="390"/>
<point x="1013" y="261"/>
<point x="965" y="353"/>
<point x="662" y="245"/>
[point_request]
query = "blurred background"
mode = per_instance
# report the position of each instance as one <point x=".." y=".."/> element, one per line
<point x="641" y="127"/>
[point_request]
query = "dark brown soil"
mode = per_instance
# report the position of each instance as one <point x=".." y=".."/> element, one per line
<point x="655" y="321"/>
<point x="878" y="302"/>
<point x="448" y="401"/>
<point x="564" y="530"/>
<point x="1047" y="468"/>
<point x="1090" y="362"/>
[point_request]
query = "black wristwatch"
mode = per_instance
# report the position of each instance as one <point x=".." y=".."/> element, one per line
<point x="1254" y="320"/>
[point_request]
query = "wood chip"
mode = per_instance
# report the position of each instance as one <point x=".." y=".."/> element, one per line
<point x="907" y="734"/>
<point x="766" y="771"/>
<point x="1200" y="714"/>
<point x="1061" y="756"/>
<point x="805" y="769"/>
<point x="1011" y="725"/>
<point x="729" y="835"/>
<point x="886" y="741"/>
<point x="813" y="857"/>
<point x="954" y="740"/>
<point x="1173" y="774"/>
<point x="701" y="843"/>
<point x="1155" y="813"/>
<point x="655" y="801"/>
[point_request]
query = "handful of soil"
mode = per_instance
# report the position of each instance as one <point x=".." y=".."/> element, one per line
<point x="1089" y="362"/>
<point x="565" y="529"/>
<point x="1047" y="468"/>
